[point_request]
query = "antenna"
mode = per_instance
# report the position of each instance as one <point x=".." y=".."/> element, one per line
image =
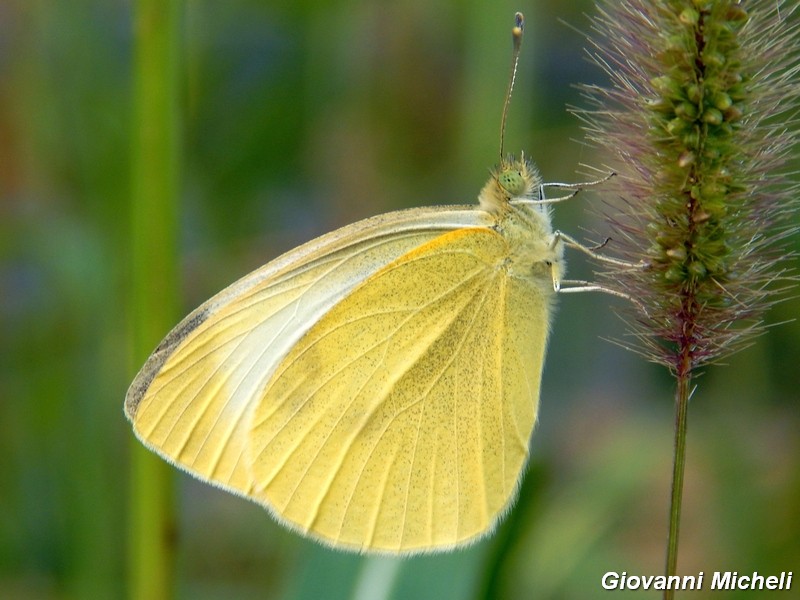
<point x="516" y="35"/>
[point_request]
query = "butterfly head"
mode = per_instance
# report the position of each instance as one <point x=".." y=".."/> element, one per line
<point x="512" y="179"/>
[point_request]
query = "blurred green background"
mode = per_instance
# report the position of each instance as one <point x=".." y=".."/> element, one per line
<point x="298" y="117"/>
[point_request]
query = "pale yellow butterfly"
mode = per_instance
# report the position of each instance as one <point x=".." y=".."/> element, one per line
<point x="375" y="388"/>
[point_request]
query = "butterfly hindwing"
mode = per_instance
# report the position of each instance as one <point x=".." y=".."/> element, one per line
<point x="400" y="421"/>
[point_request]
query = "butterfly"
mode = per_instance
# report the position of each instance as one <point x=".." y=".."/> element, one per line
<point x="375" y="388"/>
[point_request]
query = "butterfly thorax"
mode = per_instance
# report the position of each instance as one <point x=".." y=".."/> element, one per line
<point x="511" y="196"/>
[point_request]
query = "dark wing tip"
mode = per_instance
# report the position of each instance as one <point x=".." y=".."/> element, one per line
<point x="141" y="383"/>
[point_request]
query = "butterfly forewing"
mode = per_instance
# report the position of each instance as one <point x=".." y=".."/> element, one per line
<point x="400" y="421"/>
<point x="193" y="399"/>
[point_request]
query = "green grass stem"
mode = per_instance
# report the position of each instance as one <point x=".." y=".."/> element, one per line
<point x="153" y="310"/>
<point x="682" y="395"/>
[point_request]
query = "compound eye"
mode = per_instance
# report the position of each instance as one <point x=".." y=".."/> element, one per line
<point x="513" y="182"/>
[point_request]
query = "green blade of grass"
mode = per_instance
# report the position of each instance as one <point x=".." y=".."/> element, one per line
<point x="154" y="201"/>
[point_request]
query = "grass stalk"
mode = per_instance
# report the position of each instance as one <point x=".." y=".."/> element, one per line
<point x="682" y="394"/>
<point x="153" y="309"/>
<point x="696" y="88"/>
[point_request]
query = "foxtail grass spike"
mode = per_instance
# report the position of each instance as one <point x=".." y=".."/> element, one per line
<point x="699" y="123"/>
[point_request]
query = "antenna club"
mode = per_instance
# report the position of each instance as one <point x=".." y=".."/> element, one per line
<point x="519" y="25"/>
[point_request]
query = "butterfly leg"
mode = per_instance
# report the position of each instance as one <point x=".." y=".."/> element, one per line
<point x="575" y="187"/>
<point x="571" y="242"/>
<point x="577" y="286"/>
<point x="570" y="186"/>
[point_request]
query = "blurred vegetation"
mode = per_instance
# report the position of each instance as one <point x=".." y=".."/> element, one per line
<point x="298" y="117"/>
